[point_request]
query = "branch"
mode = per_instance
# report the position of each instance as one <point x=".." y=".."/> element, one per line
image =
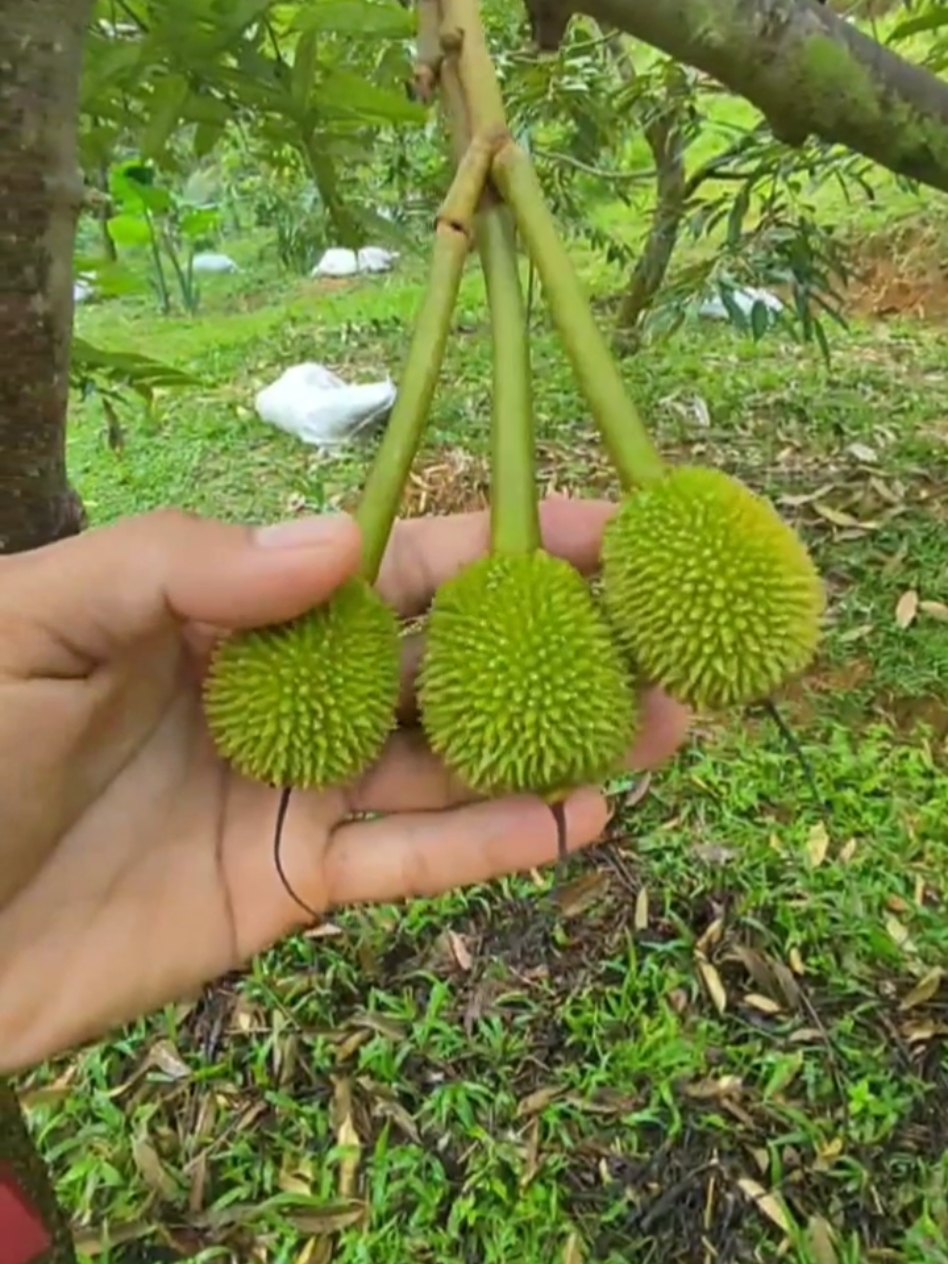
<point x="808" y="71"/>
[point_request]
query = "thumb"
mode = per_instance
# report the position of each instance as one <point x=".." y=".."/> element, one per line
<point x="101" y="590"/>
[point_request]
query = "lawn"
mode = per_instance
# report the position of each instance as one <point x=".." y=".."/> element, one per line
<point x="721" y="1037"/>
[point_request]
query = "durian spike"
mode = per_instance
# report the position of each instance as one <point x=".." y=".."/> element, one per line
<point x="515" y="520"/>
<point x="381" y="496"/>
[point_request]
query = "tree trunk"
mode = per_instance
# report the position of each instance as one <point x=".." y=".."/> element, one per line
<point x="40" y="196"/>
<point x="806" y="69"/>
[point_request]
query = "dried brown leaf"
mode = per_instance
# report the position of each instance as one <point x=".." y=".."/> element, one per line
<point x="934" y="610"/>
<point x="713" y="984"/>
<point x="768" y="1204"/>
<point x="573" y="1250"/>
<point x="924" y="989"/>
<point x="329" y="1219"/>
<point x="531" y="1157"/>
<point x="711" y="936"/>
<point x="817" y="845"/>
<point x="165" y="1057"/>
<point x="152" y="1170"/>
<point x="763" y="1004"/>
<point x="906" y="608"/>
<point x="578" y="896"/>
<point x="640" y="919"/>
<point x="820" y="1235"/>
<point x="537" y="1101"/>
<point x="460" y="950"/>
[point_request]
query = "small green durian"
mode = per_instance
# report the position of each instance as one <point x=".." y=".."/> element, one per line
<point x="711" y="594"/>
<point x="308" y="704"/>
<point x="521" y="687"/>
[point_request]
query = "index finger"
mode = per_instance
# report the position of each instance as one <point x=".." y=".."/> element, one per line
<point x="423" y="553"/>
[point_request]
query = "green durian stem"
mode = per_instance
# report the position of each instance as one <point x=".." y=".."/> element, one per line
<point x="463" y="40"/>
<point x="635" y="457"/>
<point x="382" y="494"/>
<point x="515" y="521"/>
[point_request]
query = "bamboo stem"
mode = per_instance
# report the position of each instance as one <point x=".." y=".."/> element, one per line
<point x="464" y="44"/>
<point x="515" y="521"/>
<point x="382" y="494"/>
<point x="630" y="448"/>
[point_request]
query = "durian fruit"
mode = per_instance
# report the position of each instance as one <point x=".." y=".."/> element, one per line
<point x="711" y="594"/>
<point x="521" y="687"/>
<point x="311" y="702"/>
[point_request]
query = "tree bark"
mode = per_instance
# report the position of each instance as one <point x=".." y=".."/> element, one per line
<point x="40" y="196"/>
<point x="808" y="71"/>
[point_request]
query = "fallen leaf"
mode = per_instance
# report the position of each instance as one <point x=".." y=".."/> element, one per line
<point x="847" y="851"/>
<point x="165" y="1057"/>
<point x="152" y="1170"/>
<point x="531" y="1157"/>
<point x="817" y="845"/>
<point x="573" y="1251"/>
<point x="764" y="1004"/>
<point x="924" y="989"/>
<point x="330" y="1219"/>
<point x="839" y="518"/>
<point x="906" y="608"/>
<point x="821" y="1240"/>
<point x="712" y="935"/>
<point x="537" y="1101"/>
<point x="713" y="984"/>
<point x="582" y="894"/>
<point x="862" y="452"/>
<point x="714" y="1089"/>
<point x="460" y="950"/>
<point x="796" y="961"/>
<point x="935" y="609"/>
<point x="804" y="1035"/>
<point x="899" y="933"/>
<point x="769" y="1204"/>
<point x="640" y="921"/>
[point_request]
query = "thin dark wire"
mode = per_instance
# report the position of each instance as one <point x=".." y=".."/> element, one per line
<point x="277" y="853"/>
<point x="770" y="709"/>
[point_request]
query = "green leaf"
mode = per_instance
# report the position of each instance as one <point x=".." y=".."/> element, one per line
<point x="164" y="110"/>
<point x="759" y="319"/>
<point x="201" y="222"/>
<point x="129" y="230"/>
<point x="348" y="94"/>
<point x="206" y="136"/>
<point x="126" y="369"/>
<point x="304" y="69"/>
<point x="358" y="18"/>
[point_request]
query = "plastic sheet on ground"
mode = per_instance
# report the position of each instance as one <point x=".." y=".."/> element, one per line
<point x="311" y="402"/>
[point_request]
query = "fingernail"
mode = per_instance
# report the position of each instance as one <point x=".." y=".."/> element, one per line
<point x="302" y="533"/>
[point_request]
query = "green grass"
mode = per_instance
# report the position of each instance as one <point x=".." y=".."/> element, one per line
<point x="706" y="1045"/>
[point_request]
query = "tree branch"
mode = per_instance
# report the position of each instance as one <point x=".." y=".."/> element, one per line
<point x="807" y="70"/>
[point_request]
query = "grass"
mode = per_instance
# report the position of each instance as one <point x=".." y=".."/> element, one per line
<point x="723" y="1039"/>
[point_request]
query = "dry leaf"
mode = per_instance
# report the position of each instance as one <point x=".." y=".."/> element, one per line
<point x="924" y="989"/>
<point x="165" y="1057"/>
<point x="640" y="921"/>
<point x="764" y="1004"/>
<point x="805" y="1035"/>
<point x="712" y="935"/>
<point x="583" y="893"/>
<point x="796" y="961"/>
<point x="531" y="1158"/>
<point x="935" y="609"/>
<point x="459" y="950"/>
<point x="713" y="984"/>
<point x="768" y="1204"/>
<point x="348" y="1137"/>
<point x="899" y="933"/>
<point x="906" y="608"/>
<point x="573" y="1251"/>
<point x="817" y="845"/>
<point x="847" y="851"/>
<point x="841" y="519"/>
<point x="862" y="452"/>
<point x="821" y="1240"/>
<point x="332" y="1218"/>
<point x="152" y="1169"/>
<point x="538" y="1100"/>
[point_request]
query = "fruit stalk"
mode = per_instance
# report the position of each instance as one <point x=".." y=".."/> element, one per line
<point x="381" y="496"/>
<point x="515" y="522"/>
<point x="630" y="448"/>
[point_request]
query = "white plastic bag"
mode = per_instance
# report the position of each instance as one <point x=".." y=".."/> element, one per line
<point x="744" y="300"/>
<point x="340" y="262"/>
<point x="211" y="262"/>
<point x="312" y="403"/>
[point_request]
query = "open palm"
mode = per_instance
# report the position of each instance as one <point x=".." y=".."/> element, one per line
<point x="135" y="866"/>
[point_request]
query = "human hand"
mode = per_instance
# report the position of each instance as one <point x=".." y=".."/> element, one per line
<point x="135" y="865"/>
